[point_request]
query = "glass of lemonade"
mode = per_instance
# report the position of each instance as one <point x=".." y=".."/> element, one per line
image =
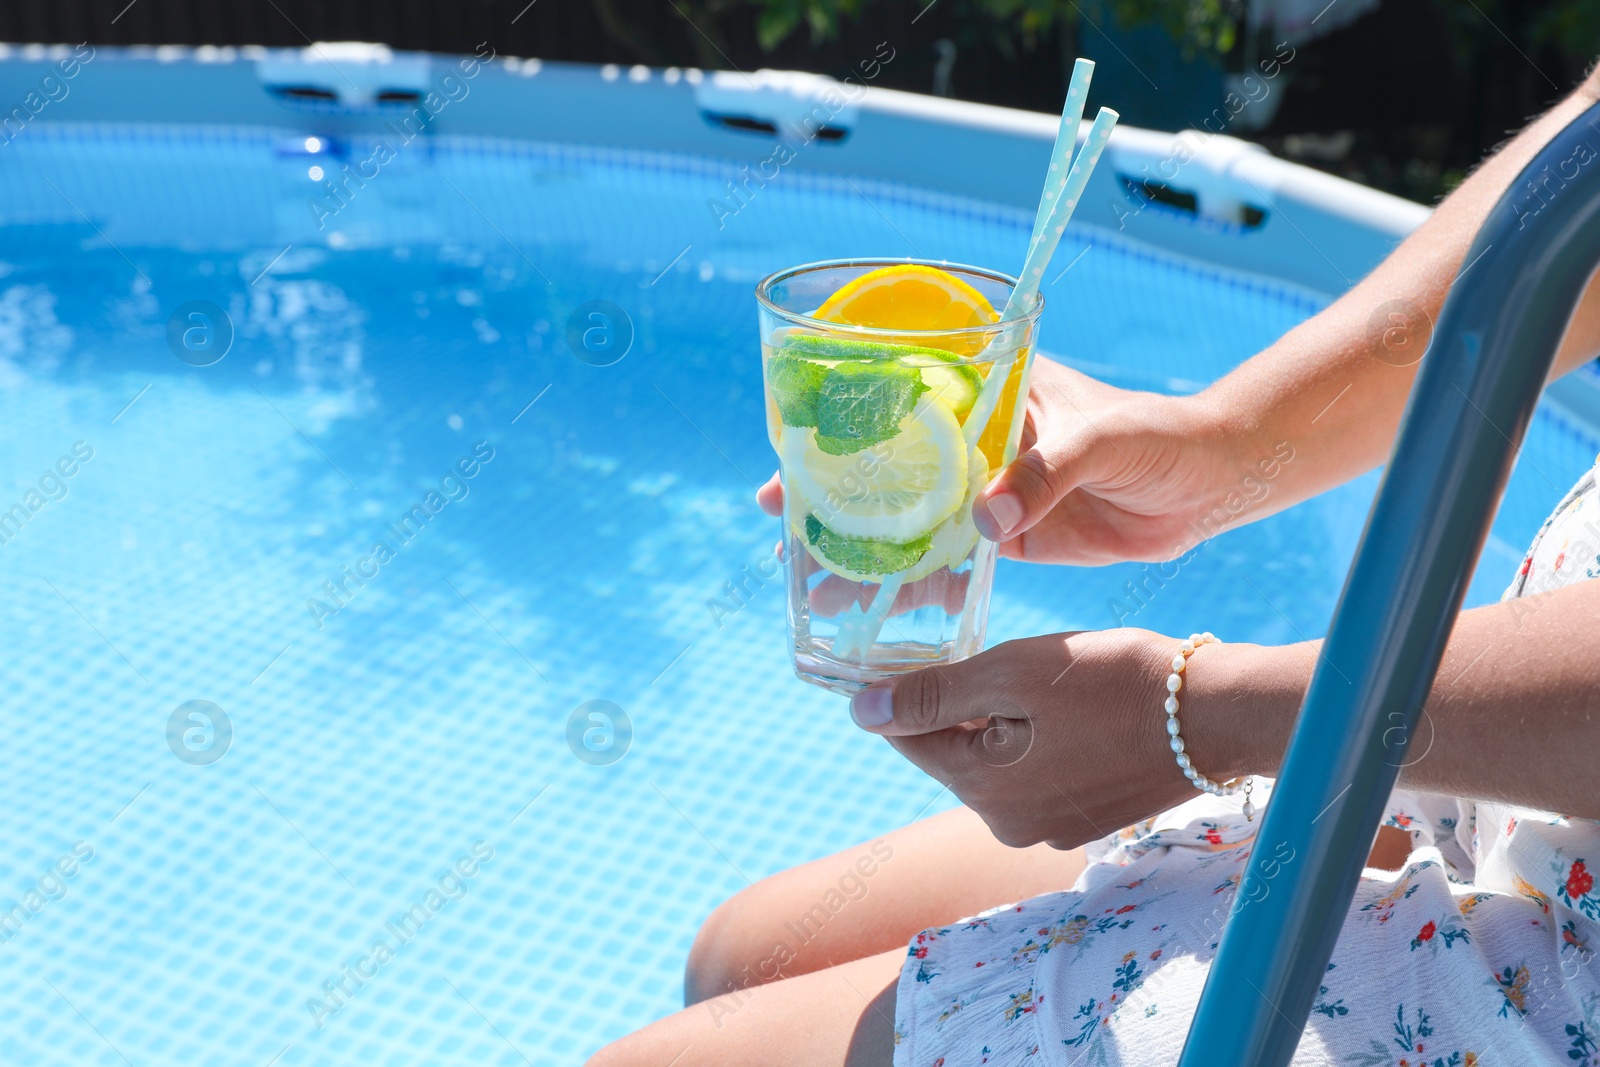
<point x="893" y="397"/>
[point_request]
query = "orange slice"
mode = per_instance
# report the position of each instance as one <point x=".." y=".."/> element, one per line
<point x="910" y="296"/>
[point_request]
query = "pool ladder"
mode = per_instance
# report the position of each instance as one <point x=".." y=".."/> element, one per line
<point x="1475" y="392"/>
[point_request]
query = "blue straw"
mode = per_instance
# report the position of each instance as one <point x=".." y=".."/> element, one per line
<point x="1048" y="236"/>
<point x="1040" y="249"/>
<point x="1066" y="142"/>
<point x="858" y="630"/>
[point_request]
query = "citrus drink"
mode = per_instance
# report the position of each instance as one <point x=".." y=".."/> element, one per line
<point x="892" y="397"/>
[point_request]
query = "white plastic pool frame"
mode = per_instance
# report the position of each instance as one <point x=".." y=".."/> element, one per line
<point x="1250" y="211"/>
<point x="1316" y="230"/>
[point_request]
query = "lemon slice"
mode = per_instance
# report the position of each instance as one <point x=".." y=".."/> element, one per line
<point x="807" y="526"/>
<point x="910" y="296"/>
<point x="949" y="545"/>
<point x="898" y="490"/>
<point x="956" y="536"/>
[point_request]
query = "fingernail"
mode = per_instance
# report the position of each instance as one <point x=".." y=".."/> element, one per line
<point x="872" y="707"/>
<point x="1000" y="513"/>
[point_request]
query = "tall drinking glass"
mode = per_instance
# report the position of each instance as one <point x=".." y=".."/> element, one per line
<point x="885" y="437"/>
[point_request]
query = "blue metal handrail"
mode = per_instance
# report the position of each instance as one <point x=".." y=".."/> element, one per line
<point x="1475" y="392"/>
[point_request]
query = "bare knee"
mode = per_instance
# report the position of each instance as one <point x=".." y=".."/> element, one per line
<point x="610" y="1056"/>
<point x="731" y="952"/>
<point x="635" y="1050"/>
<point x="654" y="1046"/>
<point x="712" y="967"/>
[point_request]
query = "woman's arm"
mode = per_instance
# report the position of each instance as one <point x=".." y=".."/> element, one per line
<point x="1514" y="714"/>
<point x="1335" y="386"/>
<point x="1061" y="738"/>
<point x="1108" y="475"/>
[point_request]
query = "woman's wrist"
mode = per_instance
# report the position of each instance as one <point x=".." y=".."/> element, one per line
<point x="1239" y="703"/>
<point x="1236" y="462"/>
<point x="1201" y="422"/>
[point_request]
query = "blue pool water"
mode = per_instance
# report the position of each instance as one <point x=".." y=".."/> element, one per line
<point x="421" y="719"/>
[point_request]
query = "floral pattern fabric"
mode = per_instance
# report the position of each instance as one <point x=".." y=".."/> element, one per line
<point x="1477" y="951"/>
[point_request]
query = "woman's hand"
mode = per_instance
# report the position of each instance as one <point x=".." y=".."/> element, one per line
<point x="1062" y="738"/>
<point x="1103" y="475"/>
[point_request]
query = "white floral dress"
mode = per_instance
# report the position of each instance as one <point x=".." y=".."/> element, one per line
<point x="1477" y="951"/>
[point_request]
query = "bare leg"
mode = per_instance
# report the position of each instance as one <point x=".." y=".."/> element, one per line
<point x="1390" y="849"/>
<point x="867" y="900"/>
<point x="872" y="898"/>
<point x="839" y="1017"/>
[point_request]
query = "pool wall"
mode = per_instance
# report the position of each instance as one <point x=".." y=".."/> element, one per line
<point x="1222" y="200"/>
<point x="609" y="555"/>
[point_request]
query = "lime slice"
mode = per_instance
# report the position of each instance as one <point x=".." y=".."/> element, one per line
<point x="846" y="349"/>
<point x="897" y="490"/>
<point x="836" y="349"/>
<point x="956" y="385"/>
<point x="796" y="371"/>
<point x="861" y="404"/>
<point x="857" y="558"/>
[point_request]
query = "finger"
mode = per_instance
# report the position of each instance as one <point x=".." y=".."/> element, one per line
<point x="1026" y="491"/>
<point x="1049" y="465"/>
<point x="770" y="496"/>
<point x="806" y="562"/>
<point x="1081" y="530"/>
<point x="941" y="588"/>
<point x="935" y="698"/>
<point x="967" y="761"/>
<point x="944" y="755"/>
<point x="835" y="595"/>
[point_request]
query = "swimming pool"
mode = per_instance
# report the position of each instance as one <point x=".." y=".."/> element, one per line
<point x="394" y="763"/>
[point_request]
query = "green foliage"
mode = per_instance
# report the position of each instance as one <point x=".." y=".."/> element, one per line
<point x="777" y="20"/>
<point x="1008" y="23"/>
<point x="1555" y="38"/>
<point x="1576" y="23"/>
<point x="1197" y="25"/>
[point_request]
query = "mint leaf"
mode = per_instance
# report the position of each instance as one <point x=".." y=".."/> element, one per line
<point x="865" y="557"/>
<point x="861" y="404"/>
<point x="795" y="384"/>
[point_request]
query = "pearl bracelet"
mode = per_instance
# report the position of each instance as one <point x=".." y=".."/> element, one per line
<point x="1201" y="782"/>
